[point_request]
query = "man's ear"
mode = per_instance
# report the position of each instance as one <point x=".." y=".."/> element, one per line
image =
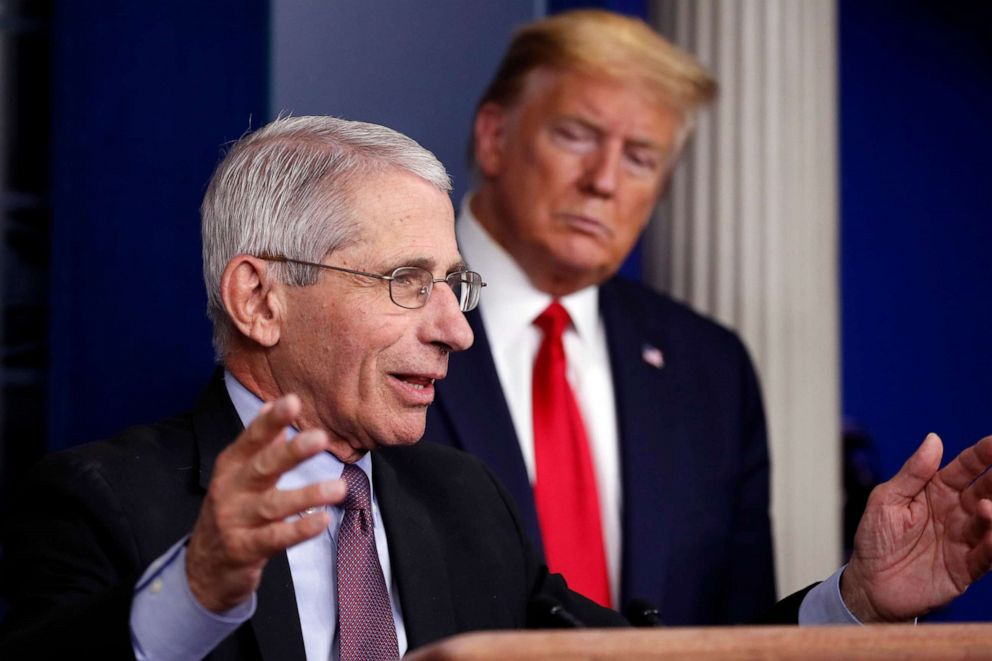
<point x="252" y="300"/>
<point x="490" y="132"/>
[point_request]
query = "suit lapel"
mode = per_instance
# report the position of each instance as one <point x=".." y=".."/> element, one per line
<point x="215" y="423"/>
<point x="649" y="437"/>
<point x="276" y="622"/>
<point x="416" y="558"/>
<point x="472" y="393"/>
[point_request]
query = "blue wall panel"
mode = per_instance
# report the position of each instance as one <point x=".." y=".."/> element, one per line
<point x="416" y="67"/>
<point x="916" y="99"/>
<point x="143" y="96"/>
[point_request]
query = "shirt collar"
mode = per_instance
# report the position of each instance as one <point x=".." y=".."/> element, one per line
<point x="248" y="404"/>
<point x="510" y="302"/>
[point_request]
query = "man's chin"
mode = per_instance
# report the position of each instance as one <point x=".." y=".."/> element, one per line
<point x="580" y="253"/>
<point x="577" y="271"/>
<point x="403" y="435"/>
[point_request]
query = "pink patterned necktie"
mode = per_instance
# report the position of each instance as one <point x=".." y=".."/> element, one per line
<point x="365" y="619"/>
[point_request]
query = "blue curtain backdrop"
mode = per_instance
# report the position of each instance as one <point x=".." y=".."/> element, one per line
<point x="916" y="208"/>
<point x="144" y="93"/>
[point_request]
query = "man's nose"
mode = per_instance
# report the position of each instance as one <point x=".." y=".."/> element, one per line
<point x="447" y="325"/>
<point x="602" y="170"/>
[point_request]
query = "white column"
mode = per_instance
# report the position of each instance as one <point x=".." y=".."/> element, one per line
<point x="748" y="235"/>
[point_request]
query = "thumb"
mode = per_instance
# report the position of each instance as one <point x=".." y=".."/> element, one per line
<point x="918" y="469"/>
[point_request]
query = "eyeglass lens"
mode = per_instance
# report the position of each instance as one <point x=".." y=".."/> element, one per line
<point x="411" y="287"/>
<point x="467" y="287"/>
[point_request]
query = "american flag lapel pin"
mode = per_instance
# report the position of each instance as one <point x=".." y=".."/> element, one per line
<point x="652" y="356"/>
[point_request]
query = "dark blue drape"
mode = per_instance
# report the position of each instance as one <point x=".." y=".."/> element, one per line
<point x="915" y="103"/>
<point x="143" y="96"/>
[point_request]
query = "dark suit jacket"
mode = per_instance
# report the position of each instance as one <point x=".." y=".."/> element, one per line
<point x="96" y="516"/>
<point x="693" y="453"/>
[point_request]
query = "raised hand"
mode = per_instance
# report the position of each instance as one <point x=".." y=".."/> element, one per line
<point x="925" y="536"/>
<point x="242" y="521"/>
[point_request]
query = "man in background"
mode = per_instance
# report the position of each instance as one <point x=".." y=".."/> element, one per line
<point x="646" y="476"/>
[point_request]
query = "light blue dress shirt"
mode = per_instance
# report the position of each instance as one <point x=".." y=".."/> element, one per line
<point x="168" y="623"/>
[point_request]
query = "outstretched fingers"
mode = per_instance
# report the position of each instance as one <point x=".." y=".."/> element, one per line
<point x="978" y="489"/>
<point x="269" y="425"/>
<point x="275" y="505"/>
<point x="277" y="519"/>
<point x="968" y="465"/>
<point x="262" y="469"/>
<point x="979" y="558"/>
<point x="244" y="519"/>
<point x="268" y="540"/>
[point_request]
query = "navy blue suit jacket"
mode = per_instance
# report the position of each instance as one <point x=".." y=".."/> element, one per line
<point x="693" y="452"/>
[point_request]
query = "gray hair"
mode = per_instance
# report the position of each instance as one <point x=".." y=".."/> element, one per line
<point x="287" y="188"/>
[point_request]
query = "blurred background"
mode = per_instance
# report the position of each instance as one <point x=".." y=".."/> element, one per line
<point x="114" y="113"/>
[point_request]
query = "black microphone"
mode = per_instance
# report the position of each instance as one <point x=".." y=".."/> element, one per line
<point x="545" y="612"/>
<point x="642" y="613"/>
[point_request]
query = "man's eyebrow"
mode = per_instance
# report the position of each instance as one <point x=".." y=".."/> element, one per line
<point x="646" y="143"/>
<point x="429" y="264"/>
<point x="584" y="123"/>
<point x="460" y="265"/>
<point x="638" y="142"/>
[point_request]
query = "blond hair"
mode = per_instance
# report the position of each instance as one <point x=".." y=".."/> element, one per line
<point x="603" y="44"/>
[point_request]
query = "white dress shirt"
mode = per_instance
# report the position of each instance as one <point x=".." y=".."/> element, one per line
<point x="508" y="309"/>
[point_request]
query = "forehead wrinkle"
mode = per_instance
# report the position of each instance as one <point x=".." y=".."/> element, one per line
<point x="583" y="108"/>
<point x="426" y="263"/>
<point x="430" y="264"/>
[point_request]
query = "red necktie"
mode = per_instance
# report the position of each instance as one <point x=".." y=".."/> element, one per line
<point x="365" y="618"/>
<point x="565" y="487"/>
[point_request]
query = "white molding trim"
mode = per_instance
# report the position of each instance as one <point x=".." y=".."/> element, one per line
<point x="748" y="235"/>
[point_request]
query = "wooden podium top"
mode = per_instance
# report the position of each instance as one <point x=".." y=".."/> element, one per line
<point x="926" y="641"/>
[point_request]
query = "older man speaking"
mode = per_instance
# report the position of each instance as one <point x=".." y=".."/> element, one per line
<point x="332" y="274"/>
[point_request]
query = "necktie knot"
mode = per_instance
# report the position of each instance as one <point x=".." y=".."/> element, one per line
<point x="357" y="482"/>
<point x="553" y="321"/>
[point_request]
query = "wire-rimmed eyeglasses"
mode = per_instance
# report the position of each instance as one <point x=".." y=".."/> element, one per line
<point x="410" y="287"/>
